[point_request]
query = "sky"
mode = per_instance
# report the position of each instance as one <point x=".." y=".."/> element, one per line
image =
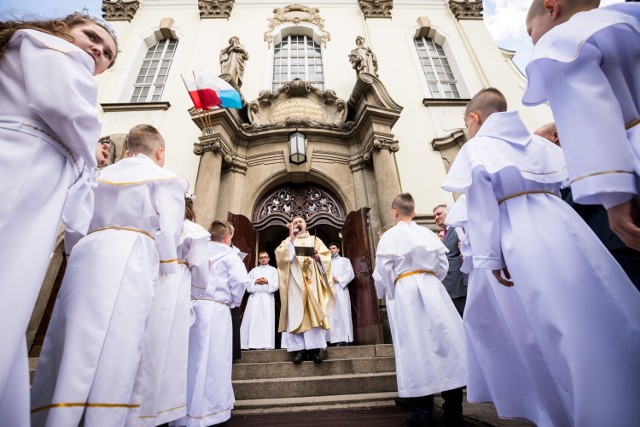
<point x="504" y="18"/>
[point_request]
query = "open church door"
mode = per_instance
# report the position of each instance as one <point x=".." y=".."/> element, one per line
<point x="358" y="248"/>
<point x="244" y="238"/>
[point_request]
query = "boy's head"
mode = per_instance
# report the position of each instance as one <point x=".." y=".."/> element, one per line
<point x="546" y="14"/>
<point x="549" y="132"/>
<point x="221" y="232"/>
<point x="404" y="207"/>
<point x="146" y="139"/>
<point x="486" y="102"/>
<point x="334" y="248"/>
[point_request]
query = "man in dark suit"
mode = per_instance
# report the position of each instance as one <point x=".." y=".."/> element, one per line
<point x="456" y="281"/>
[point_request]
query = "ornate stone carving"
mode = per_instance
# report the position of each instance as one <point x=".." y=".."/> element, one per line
<point x="297" y="103"/>
<point x="296" y="13"/>
<point x="212" y="9"/>
<point x="376" y="143"/>
<point x="466" y="9"/>
<point x="362" y="58"/>
<point x="216" y="144"/>
<point x="119" y="10"/>
<point x="232" y="60"/>
<point x="449" y="146"/>
<point x="313" y="203"/>
<point x="376" y="8"/>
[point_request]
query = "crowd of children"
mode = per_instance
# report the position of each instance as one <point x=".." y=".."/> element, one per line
<point x="549" y="308"/>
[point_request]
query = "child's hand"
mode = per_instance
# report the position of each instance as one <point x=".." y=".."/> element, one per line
<point x="102" y="154"/>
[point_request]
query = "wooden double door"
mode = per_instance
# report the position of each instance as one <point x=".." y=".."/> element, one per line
<point x="357" y="247"/>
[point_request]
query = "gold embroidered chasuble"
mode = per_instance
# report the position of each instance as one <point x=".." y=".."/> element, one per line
<point x="306" y="294"/>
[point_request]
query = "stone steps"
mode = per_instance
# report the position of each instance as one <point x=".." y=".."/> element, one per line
<point x="314" y="386"/>
<point x="263" y="370"/>
<point x="349" y="352"/>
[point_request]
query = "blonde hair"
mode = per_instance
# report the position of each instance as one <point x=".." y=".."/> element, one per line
<point x="144" y="139"/>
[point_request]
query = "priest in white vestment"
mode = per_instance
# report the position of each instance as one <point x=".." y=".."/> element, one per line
<point x="210" y="396"/>
<point x="426" y="328"/>
<point x="341" y="331"/>
<point x="586" y="65"/>
<point x="161" y="386"/>
<point x="305" y="280"/>
<point x="92" y="349"/>
<point x="577" y="313"/>
<point x="258" y="328"/>
<point x="49" y="129"/>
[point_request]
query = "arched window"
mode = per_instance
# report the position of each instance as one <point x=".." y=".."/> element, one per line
<point x="154" y="71"/>
<point x="297" y="56"/>
<point x="437" y="70"/>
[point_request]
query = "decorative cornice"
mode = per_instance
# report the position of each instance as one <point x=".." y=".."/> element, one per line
<point x="376" y="8"/>
<point x="466" y="9"/>
<point x="297" y="13"/>
<point x="110" y="107"/>
<point x="119" y="10"/>
<point x="216" y="144"/>
<point x="457" y="137"/>
<point x="377" y="142"/>
<point x="215" y="9"/>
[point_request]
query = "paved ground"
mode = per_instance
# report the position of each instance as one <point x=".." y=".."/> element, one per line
<point x="478" y="415"/>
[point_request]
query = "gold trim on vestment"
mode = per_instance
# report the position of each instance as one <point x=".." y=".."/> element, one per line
<point x="522" y="193"/>
<point x="198" y="287"/>
<point x="206" y="299"/>
<point x="183" y="263"/>
<point x="411" y="273"/>
<point x="600" y="173"/>
<point x="162" y="412"/>
<point x="168" y="261"/>
<point x="135" y="182"/>
<point x="84" y="405"/>
<point x="632" y="123"/>
<point x="62" y="144"/>
<point x="135" y="230"/>
<point x="208" y="415"/>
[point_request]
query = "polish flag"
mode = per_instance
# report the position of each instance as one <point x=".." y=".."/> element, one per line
<point x="193" y="92"/>
<point x="216" y="91"/>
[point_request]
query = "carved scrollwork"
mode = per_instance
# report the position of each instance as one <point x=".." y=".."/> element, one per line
<point x="296" y="13"/>
<point x="466" y="9"/>
<point x="211" y="144"/>
<point x="314" y="204"/>
<point x="119" y="10"/>
<point x="212" y="9"/>
<point x="376" y="8"/>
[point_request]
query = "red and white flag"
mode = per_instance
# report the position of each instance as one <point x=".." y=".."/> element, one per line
<point x="193" y="92"/>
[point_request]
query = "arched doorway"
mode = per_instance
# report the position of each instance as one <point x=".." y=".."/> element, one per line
<point x="326" y="218"/>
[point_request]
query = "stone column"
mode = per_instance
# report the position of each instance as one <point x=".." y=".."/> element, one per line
<point x="386" y="173"/>
<point x="208" y="180"/>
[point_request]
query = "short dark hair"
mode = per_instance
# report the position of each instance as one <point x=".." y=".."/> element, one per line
<point x="219" y="230"/>
<point x="144" y="139"/>
<point x="189" y="212"/>
<point x="487" y="101"/>
<point x="404" y="204"/>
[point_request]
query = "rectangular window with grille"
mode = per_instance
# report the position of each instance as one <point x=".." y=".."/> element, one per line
<point x="437" y="70"/>
<point x="154" y="72"/>
<point x="297" y="56"/>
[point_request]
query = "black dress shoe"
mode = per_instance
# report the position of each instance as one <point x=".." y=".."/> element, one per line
<point x="315" y="356"/>
<point x="404" y="403"/>
<point x="299" y="356"/>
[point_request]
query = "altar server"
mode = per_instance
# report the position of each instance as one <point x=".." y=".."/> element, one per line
<point x="49" y="129"/>
<point x="210" y="396"/>
<point x="92" y="349"/>
<point x="586" y="65"/>
<point x="341" y="331"/>
<point x="574" y="297"/>
<point x="425" y="326"/>
<point x="258" y="329"/>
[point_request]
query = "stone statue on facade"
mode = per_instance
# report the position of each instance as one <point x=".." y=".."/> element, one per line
<point x="363" y="59"/>
<point x="232" y="60"/>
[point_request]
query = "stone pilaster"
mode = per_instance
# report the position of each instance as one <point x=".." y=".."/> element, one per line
<point x="466" y="9"/>
<point x="119" y="10"/>
<point x="212" y="9"/>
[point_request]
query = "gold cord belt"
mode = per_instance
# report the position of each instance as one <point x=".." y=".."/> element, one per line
<point x="411" y="273"/>
<point x="522" y="193"/>
<point x="135" y="230"/>
<point x="632" y="123"/>
<point x="183" y="263"/>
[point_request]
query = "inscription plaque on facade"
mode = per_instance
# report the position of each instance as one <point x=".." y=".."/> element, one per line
<point x="297" y="103"/>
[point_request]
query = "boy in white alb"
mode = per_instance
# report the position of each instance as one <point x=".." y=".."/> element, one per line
<point x="210" y="396"/>
<point x="341" y="331"/>
<point x="425" y="326"/>
<point x="258" y="329"/>
<point x="92" y="349"/>
<point x="574" y="297"/>
<point x="586" y="64"/>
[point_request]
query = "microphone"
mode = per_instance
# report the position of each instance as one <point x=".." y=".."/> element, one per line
<point x="297" y="230"/>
